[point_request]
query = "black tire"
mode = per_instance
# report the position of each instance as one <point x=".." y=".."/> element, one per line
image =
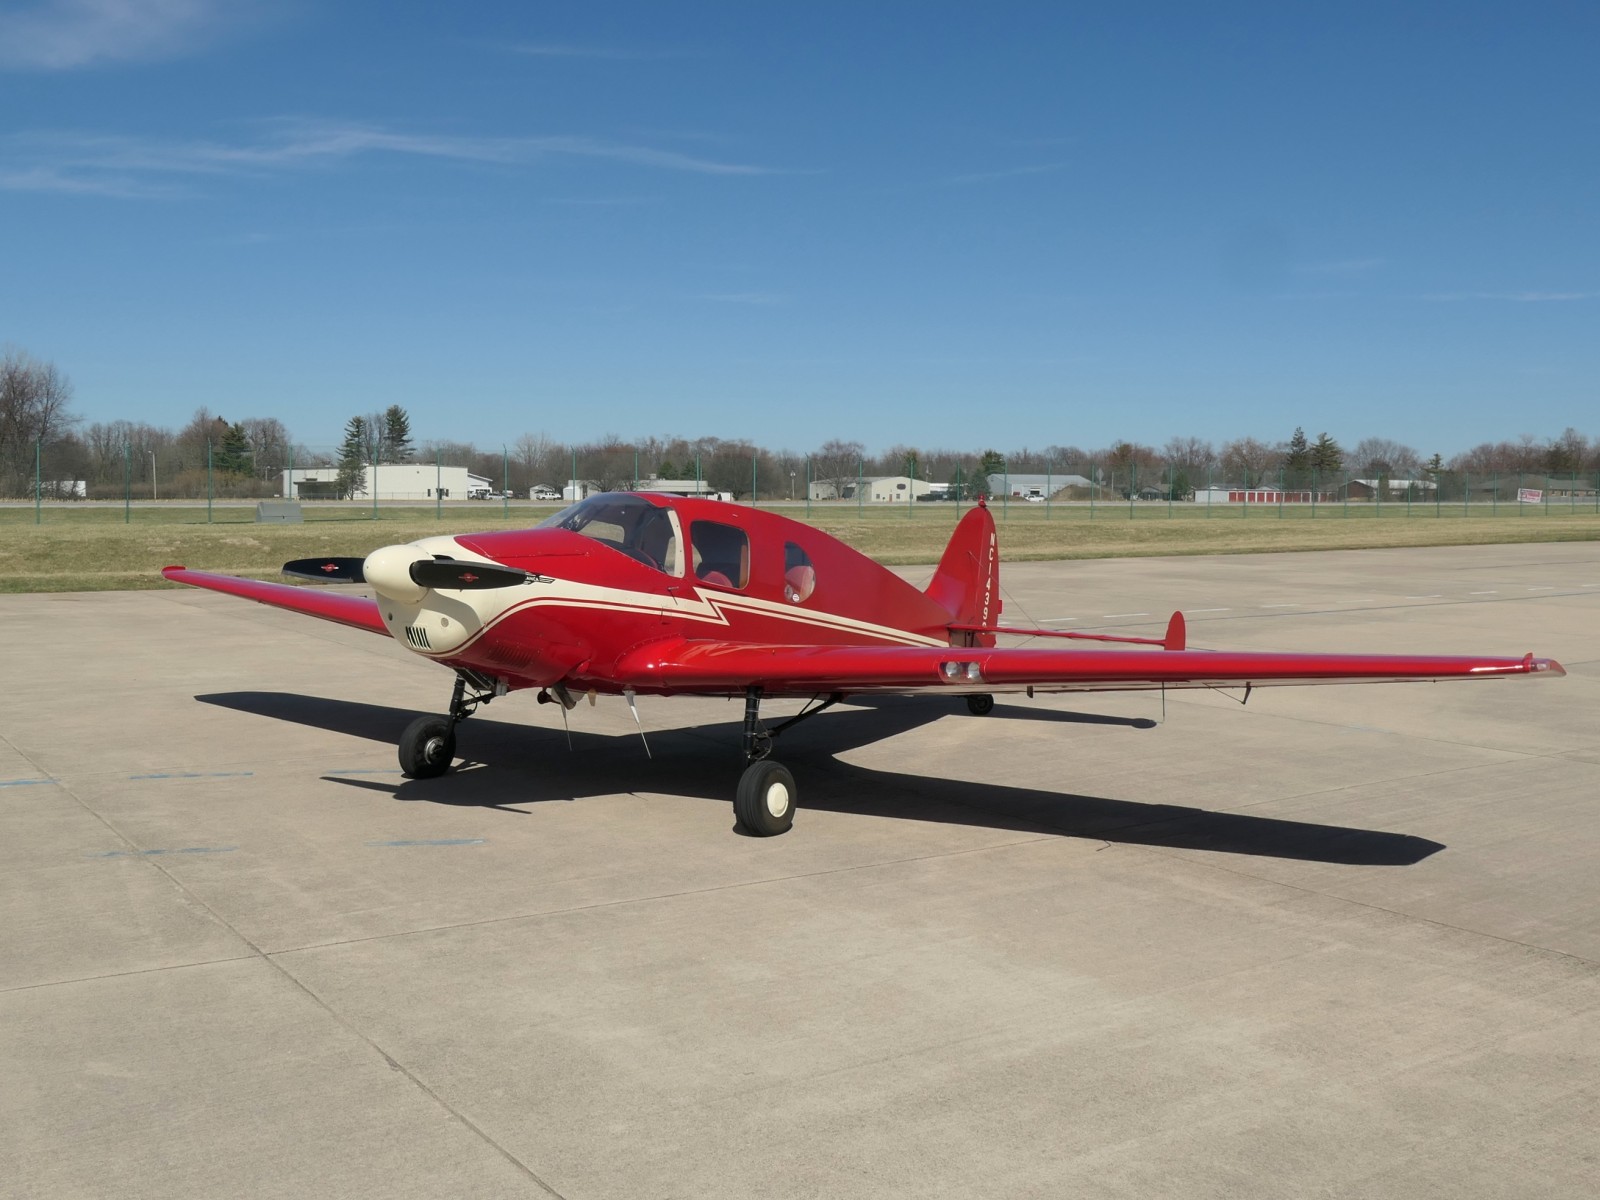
<point x="765" y="801"/>
<point x="427" y="747"/>
<point x="980" y="706"/>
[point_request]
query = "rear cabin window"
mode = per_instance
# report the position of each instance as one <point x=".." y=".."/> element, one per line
<point x="799" y="576"/>
<point x="721" y="554"/>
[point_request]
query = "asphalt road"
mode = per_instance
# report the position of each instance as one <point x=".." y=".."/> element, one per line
<point x="1339" y="942"/>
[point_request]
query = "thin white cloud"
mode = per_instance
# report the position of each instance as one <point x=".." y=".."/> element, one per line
<point x="59" y="35"/>
<point x="46" y="179"/>
<point x="605" y="53"/>
<point x="1342" y="266"/>
<point x="1008" y="173"/>
<point x="1514" y="297"/>
<point x="759" y="298"/>
<point x="81" y="162"/>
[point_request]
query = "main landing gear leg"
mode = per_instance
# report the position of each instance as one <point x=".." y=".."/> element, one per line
<point x="428" y="746"/>
<point x="765" y="801"/>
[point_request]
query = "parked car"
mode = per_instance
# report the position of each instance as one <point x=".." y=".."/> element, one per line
<point x="543" y="493"/>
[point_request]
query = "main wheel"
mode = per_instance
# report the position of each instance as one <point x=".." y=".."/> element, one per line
<point x="980" y="706"/>
<point x="764" y="803"/>
<point x="427" y="747"/>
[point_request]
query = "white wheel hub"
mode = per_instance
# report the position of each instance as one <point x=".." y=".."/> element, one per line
<point x="777" y="798"/>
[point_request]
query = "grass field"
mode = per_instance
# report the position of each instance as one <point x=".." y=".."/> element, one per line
<point x="84" y="548"/>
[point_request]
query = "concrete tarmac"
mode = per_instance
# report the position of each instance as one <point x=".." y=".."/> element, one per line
<point x="1338" y="942"/>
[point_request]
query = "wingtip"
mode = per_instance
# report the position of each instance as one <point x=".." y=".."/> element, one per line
<point x="167" y="571"/>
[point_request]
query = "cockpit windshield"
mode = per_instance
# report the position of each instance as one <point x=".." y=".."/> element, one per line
<point x="631" y="524"/>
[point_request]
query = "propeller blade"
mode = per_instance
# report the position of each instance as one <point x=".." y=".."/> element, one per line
<point x="456" y="575"/>
<point x="327" y="570"/>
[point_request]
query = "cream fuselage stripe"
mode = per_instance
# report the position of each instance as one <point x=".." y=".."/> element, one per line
<point x="712" y="608"/>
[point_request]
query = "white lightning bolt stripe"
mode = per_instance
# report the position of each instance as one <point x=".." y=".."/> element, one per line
<point x="707" y="607"/>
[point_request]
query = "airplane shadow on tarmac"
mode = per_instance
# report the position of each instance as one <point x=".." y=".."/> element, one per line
<point x="508" y="766"/>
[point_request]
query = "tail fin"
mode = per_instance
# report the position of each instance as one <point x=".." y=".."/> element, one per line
<point x="967" y="583"/>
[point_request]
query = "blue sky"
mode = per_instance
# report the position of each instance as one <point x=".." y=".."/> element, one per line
<point x="936" y="224"/>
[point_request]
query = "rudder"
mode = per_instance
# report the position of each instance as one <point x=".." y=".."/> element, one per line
<point x="967" y="583"/>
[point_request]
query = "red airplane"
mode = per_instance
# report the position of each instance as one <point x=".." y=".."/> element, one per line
<point x="627" y="593"/>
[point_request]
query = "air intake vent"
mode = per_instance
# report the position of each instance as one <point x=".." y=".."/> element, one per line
<point x="418" y="637"/>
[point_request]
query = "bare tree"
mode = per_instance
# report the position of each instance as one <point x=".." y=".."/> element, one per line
<point x="1247" y="461"/>
<point x="33" y="410"/>
<point x="838" y="464"/>
<point x="535" y="455"/>
<point x="1381" y="458"/>
<point x="1568" y="453"/>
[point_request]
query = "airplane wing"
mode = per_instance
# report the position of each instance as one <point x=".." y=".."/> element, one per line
<point x="729" y="667"/>
<point x="356" y="611"/>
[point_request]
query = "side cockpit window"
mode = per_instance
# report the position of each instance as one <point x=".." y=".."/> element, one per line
<point x="799" y="576"/>
<point x="721" y="554"/>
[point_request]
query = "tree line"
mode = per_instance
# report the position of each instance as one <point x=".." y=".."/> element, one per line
<point x="246" y="456"/>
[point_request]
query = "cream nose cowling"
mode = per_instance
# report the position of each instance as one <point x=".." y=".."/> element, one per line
<point x="388" y="570"/>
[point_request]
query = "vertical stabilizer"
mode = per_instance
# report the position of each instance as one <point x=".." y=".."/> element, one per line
<point x="967" y="583"/>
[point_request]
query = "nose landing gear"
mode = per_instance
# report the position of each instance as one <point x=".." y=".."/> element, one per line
<point x="428" y="745"/>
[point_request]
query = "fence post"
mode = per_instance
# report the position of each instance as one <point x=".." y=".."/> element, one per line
<point x="808" y="489"/>
<point x="958" y="493"/>
<point x="752" y="475"/>
<point x="38" y="481"/>
<point x="127" y="483"/>
<point x="1049" y="471"/>
<point x="210" y="490"/>
<point x="438" y="484"/>
<point x="861" y="483"/>
<point x="505" y="480"/>
<point x="374" y="482"/>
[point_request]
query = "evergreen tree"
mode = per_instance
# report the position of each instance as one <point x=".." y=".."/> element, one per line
<point x="1297" y="460"/>
<point x="991" y="464"/>
<point x="233" y="457"/>
<point x="1326" y="456"/>
<point x="396" y="445"/>
<point x="1298" y="457"/>
<point x="352" y="456"/>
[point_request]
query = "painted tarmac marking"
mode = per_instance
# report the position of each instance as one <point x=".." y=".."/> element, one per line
<point x="1546" y="588"/>
<point x="1429" y="596"/>
<point x="432" y="842"/>
<point x="1057" y="620"/>
<point x="1488" y="593"/>
<point x="195" y="775"/>
<point x="366" y="771"/>
<point x="152" y="853"/>
<point x="1280" y="606"/>
<point x="1201" y="610"/>
<point x="1110" y="615"/>
<point x="23" y="782"/>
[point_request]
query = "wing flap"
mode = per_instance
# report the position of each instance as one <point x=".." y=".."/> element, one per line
<point x="804" y="670"/>
<point x="358" y="612"/>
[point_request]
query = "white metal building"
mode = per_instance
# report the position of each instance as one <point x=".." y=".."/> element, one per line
<point x="876" y="489"/>
<point x="393" y="481"/>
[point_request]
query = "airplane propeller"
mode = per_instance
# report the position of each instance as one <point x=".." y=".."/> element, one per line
<point x="327" y="570"/>
<point x="464" y="576"/>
